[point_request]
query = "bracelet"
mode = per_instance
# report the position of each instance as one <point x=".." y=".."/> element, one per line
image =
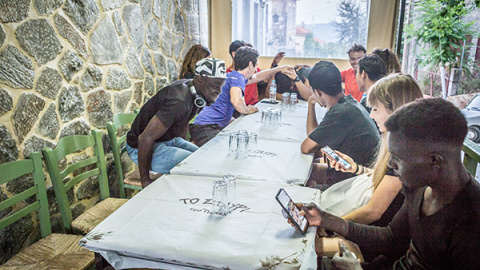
<point x="355" y="172"/>
<point x="274" y="65"/>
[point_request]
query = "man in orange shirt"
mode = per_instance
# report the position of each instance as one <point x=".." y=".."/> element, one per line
<point x="355" y="53"/>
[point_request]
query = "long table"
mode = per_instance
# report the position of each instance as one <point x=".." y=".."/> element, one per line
<point x="169" y="225"/>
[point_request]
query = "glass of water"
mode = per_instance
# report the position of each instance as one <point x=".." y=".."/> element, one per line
<point x="219" y="197"/>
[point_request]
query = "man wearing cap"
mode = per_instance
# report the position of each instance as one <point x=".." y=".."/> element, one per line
<point x="346" y="126"/>
<point x="156" y="140"/>
<point x="212" y="119"/>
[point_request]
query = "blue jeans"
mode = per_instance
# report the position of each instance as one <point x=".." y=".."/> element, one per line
<point x="166" y="155"/>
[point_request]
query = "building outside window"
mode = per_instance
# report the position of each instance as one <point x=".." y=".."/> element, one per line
<point x="301" y="28"/>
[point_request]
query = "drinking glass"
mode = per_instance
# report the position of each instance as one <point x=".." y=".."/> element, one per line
<point x="231" y="182"/>
<point x="293" y="101"/>
<point x="232" y="144"/>
<point x="285" y="100"/>
<point x="252" y="142"/>
<point x="220" y="197"/>
<point x="242" y="146"/>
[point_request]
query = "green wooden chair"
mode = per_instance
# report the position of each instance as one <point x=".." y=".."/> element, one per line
<point x="472" y="156"/>
<point x="118" y="148"/>
<point x="53" y="251"/>
<point x="117" y="143"/>
<point x="92" y="166"/>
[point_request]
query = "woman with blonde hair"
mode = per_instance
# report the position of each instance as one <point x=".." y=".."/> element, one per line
<point x="196" y="53"/>
<point x="385" y="96"/>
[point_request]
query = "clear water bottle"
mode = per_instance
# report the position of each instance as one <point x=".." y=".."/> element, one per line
<point x="273" y="91"/>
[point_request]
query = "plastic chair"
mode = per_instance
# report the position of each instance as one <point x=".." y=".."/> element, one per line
<point x="53" y="251"/>
<point x="71" y="144"/>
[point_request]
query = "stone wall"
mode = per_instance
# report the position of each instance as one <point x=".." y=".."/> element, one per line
<point x="67" y="66"/>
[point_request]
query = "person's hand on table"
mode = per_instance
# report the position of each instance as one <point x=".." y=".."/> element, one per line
<point x="312" y="212"/>
<point x="252" y="109"/>
<point x="345" y="259"/>
<point x="337" y="167"/>
<point x="277" y="58"/>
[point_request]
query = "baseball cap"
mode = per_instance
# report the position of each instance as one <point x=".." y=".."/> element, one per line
<point x="211" y="67"/>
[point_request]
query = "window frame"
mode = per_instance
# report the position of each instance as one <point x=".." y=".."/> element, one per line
<point x="382" y="27"/>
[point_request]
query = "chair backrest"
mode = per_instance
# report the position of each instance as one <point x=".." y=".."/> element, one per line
<point x="472" y="156"/>
<point x="118" y="144"/>
<point x="92" y="166"/>
<point x="10" y="172"/>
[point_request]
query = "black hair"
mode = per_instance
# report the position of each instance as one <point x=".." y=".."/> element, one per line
<point x="433" y="120"/>
<point x="243" y="56"/>
<point x="373" y="66"/>
<point x="356" y="48"/>
<point x="284" y="83"/>
<point x="326" y="77"/>
<point x="235" y="45"/>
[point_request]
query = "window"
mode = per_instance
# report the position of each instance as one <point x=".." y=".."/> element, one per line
<point x="301" y="28"/>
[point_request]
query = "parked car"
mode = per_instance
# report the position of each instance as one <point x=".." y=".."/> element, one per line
<point x="472" y="114"/>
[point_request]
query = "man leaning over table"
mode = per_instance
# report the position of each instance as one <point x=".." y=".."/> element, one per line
<point x="156" y="140"/>
<point x="439" y="220"/>
<point x="345" y="127"/>
<point x="212" y="119"/>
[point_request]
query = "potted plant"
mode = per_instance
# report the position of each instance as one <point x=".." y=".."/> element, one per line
<point x="438" y="25"/>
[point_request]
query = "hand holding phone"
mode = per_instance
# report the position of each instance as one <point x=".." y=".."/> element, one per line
<point x="333" y="156"/>
<point x="293" y="212"/>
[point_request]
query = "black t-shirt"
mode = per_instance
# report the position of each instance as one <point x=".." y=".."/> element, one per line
<point x="173" y="105"/>
<point x="447" y="239"/>
<point x="393" y="208"/>
<point x="347" y="128"/>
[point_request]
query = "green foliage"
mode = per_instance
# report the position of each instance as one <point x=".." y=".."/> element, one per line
<point x="439" y="25"/>
<point x="352" y="27"/>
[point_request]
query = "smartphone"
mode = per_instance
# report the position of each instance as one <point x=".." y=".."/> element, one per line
<point x="292" y="210"/>
<point x="335" y="157"/>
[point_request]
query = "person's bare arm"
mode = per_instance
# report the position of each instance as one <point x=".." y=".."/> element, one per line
<point x="154" y="130"/>
<point x="381" y="199"/>
<point x="312" y="122"/>
<point x="309" y="146"/>
<point x="303" y="90"/>
<point x="264" y="74"/>
<point x="239" y="103"/>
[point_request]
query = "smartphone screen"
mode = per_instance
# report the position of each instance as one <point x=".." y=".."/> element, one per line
<point x="292" y="210"/>
<point x="334" y="156"/>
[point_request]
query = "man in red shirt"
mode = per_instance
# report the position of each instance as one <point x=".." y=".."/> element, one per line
<point x="355" y="53"/>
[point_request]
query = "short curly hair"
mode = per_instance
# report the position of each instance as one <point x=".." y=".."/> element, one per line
<point x="431" y="120"/>
<point x="245" y="55"/>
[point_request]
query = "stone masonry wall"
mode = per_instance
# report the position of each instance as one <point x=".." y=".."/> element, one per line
<point x="67" y="66"/>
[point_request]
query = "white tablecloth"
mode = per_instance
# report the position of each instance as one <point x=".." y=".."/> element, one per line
<point x="274" y="160"/>
<point x="169" y="222"/>
<point x="293" y="126"/>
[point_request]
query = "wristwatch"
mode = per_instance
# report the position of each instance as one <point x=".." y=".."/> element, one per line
<point x="297" y="79"/>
